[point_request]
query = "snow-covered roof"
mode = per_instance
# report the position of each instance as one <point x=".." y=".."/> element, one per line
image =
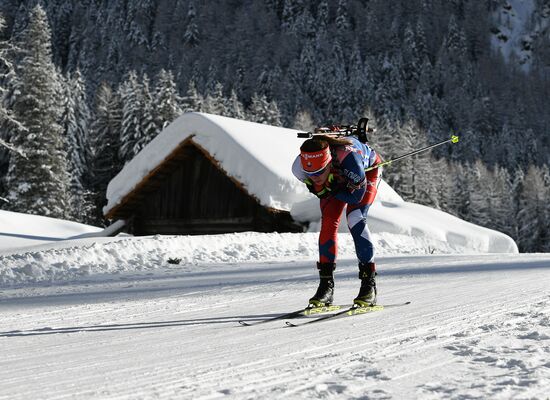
<point x="257" y="156"/>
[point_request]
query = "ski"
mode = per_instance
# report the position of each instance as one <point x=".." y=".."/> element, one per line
<point x="308" y="311"/>
<point x="354" y="310"/>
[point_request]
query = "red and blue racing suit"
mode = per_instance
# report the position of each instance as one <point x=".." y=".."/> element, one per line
<point x="357" y="191"/>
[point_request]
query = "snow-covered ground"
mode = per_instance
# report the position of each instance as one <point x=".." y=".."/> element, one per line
<point x="111" y="318"/>
<point x="478" y="327"/>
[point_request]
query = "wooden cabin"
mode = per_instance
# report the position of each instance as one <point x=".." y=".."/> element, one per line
<point x="190" y="192"/>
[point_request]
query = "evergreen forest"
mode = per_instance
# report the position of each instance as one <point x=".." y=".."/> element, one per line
<point x="86" y="85"/>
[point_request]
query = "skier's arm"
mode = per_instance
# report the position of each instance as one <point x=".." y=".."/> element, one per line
<point x="354" y="173"/>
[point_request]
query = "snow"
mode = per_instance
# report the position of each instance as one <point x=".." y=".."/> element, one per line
<point x="60" y="251"/>
<point x="478" y="326"/>
<point x="519" y="23"/>
<point x="20" y="230"/>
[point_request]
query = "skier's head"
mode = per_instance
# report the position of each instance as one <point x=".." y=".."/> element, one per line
<point x="315" y="158"/>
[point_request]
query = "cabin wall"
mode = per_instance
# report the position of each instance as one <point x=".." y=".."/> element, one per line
<point x="193" y="196"/>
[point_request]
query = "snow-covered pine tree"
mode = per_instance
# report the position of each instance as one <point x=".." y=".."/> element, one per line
<point x="342" y="20"/>
<point x="149" y="124"/>
<point x="412" y="176"/>
<point x="39" y="184"/>
<point x="191" y="37"/>
<point x="75" y="120"/>
<point x="533" y="218"/>
<point x="131" y="96"/>
<point x="390" y="90"/>
<point x="193" y="100"/>
<point x="457" y="196"/>
<point x="214" y="103"/>
<point x="234" y="107"/>
<point x="292" y="9"/>
<point x="106" y="142"/>
<point x="8" y="80"/>
<point x="263" y="111"/>
<point x="412" y="60"/>
<point x="166" y="99"/>
<point x="303" y="121"/>
<point x="359" y="85"/>
<point x="482" y="195"/>
<point x="322" y="17"/>
<point x="503" y="209"/>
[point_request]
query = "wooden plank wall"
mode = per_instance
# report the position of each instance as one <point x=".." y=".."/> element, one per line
<point x="194" y="196"/>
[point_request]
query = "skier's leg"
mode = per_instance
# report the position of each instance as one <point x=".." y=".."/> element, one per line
<point x="331" y="211"/>
<point x="357" y="223"/>
<point x="357" y="219"/>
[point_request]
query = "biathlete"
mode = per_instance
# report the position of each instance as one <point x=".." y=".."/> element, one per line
<point x="333" y="169"/>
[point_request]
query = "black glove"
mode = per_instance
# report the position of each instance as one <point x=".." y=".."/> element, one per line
<point x="332" y="184"/>
<point x="330" y="187"/>
<point x="322" y="193"/>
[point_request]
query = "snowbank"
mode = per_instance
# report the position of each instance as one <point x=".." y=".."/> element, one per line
<point x="81" y="258"/>
<point x="19" y="230"/>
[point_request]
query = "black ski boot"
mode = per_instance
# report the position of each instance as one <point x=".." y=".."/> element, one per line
<point x="367" y="293"/>
<point x="325" y="291"/>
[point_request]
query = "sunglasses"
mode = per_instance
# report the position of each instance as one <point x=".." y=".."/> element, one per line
<point x="316" y="173"/>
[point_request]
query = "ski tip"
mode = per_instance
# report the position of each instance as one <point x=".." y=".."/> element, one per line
<point x="408" y="302"/>
<point x="290" y="324"/>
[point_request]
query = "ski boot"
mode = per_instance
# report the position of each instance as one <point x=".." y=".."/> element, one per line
<point x="367" y="293"/>
<point x="325" y="291"/>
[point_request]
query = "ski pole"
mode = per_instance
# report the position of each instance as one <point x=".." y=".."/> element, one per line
<point x="453" y="139"/>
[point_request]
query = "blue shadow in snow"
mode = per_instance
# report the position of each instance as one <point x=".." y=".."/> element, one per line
<point x="31" y="237"/>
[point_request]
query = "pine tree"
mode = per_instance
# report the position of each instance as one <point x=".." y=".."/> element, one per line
<point x="411" y="177"/>
<point x="342" y="19"/>
<point x="166" y="99"/>
<point x="303" y="121"/>
<point x="503" y="209"/>
<point x="193" y="100"/>
<point x="75" y="120"/>
<point x="150" y="126"/>
<point x="482" y="196"/>
<point x="322" y="17"/>
<point x="8" y="123"/>
<point x="106" y="142"/>
<point x="131" y="95"/>
<point x="263" y="111"/>
<point x="191" y="37"/>
<point x="412" y="59"/>
<point x="215" y="101"/>
<point x="39" y="184"/>
<point x="234" y="107"/>
<point x="533" y="217"/>
<point x="292" y="9"/>
<point x="456" y="195"/>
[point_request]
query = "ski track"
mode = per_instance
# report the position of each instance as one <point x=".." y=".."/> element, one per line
<point x="489" y="344"/>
